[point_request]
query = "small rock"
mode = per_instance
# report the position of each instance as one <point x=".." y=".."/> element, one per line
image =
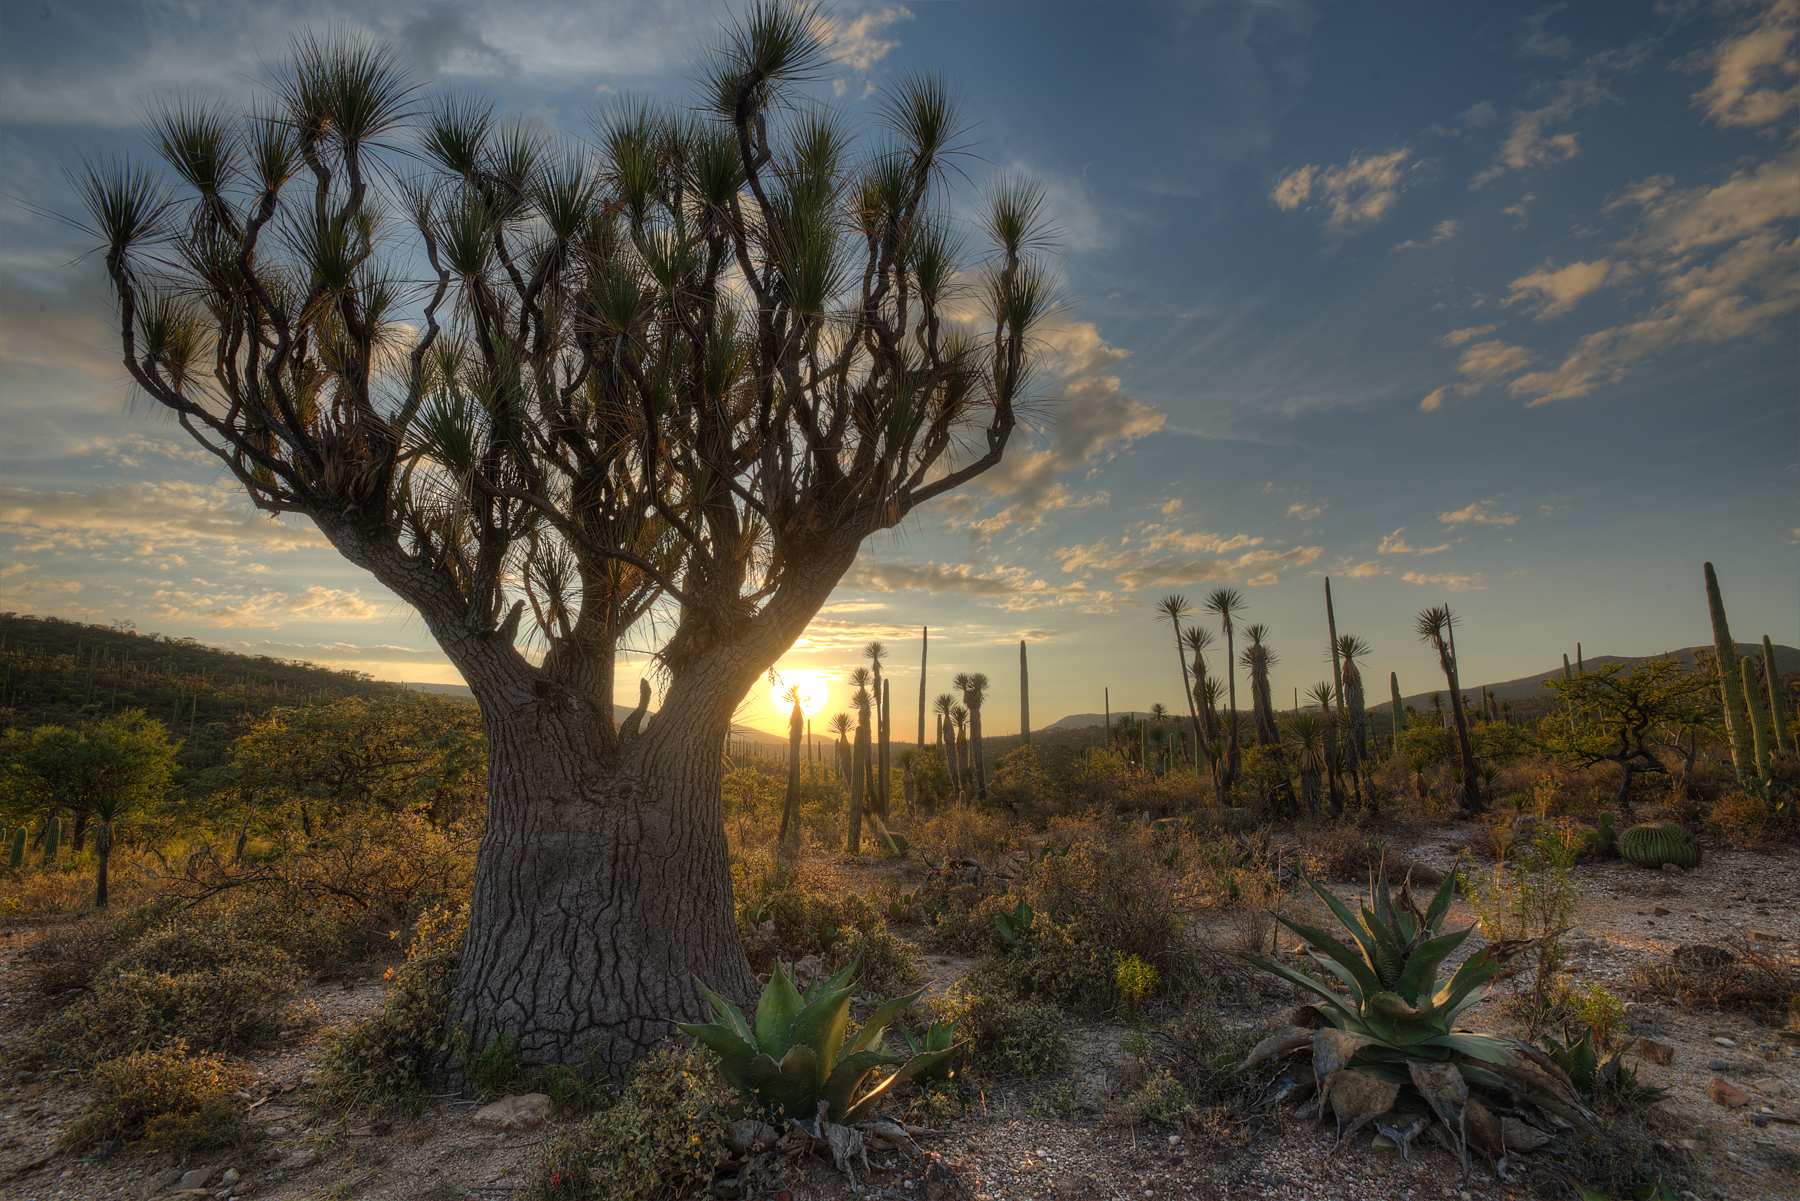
<point x="746" y="1135"/>
<point x="1730" y="1096"/>
<point x="1722" y="1041"/>
<point x="231" y="1176"/>
<point x="1670" y="869"/>
<point x="302" y="1159"/>
<point x="1659" y="911"/>
<point x="1656" y="1052"/>
<point x="1765" y="936"/>
<point x="196" y="1178"/>
<point x="1718" y="1065"/>
<point x="244" y="1189"/>
<point x="517" y="1114"/>
<point x="161" y="1181"/>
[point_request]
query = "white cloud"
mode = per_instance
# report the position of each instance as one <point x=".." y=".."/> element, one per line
<point x="1135" y="567"/>
<point x="1481" y="512"/>
<point x="1443" y="231"/>
<point x="1521" y="209"/>
<point x="1756" y="76"/>
<point x="1357" y="194"/>
<point x="858" y="43"/>
<point x="1529" y="142"/>
<point x="1304" y="512"/>
<point x="1485" y="360"/>
<point x="1448" y="581"/>
<point x="154" y="516"/>
<point x="265" y="609"/>
<point x="1394" y="544"/>
<point x="1559" y="289"/>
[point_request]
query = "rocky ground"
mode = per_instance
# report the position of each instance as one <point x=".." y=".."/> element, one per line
<point x="1730" y="1121"/>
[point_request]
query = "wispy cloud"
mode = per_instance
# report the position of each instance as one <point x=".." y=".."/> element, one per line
<point x="1559" y="288"/>
<point x="1540" y="44"/>
<point x="1530" y="142"/>
<point x="266" y="610"/>
<point x="1448" y="581"/>
<point x="1442" y="232"/>
<point x="1481" y="512"/>
<point x="860" y="42"/>
<point x="1354" y="195"/>
<point x="1394" y="544"/>
<point x="152" y="516"/>
<point x="1755" y="74"/>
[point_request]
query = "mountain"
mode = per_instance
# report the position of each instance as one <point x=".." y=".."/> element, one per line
<point x="620" y="712"/>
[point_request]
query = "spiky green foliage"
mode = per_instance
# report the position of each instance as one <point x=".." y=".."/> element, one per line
<point x="1390" y="967"/>
<point x="795" y="1054"/>
<point x="1653" y="844"/>
<point x="1015" y="925"/>
<point x="939" y="1037"/>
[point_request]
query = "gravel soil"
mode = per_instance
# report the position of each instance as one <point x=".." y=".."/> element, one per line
<point x="1053" y="1139"/>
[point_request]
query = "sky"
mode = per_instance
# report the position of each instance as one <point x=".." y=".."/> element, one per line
<point x="1485" y="305"/>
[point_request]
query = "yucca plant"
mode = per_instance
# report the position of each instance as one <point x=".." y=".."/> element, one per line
<point x="797" y="1053"/>
<point x="1014" y="926"/>
<point x="1396" y="1025"/>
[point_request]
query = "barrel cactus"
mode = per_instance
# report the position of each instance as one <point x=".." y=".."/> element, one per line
<point x="1656" y="843"/>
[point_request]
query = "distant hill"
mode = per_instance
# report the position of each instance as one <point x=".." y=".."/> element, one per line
<point x="1523" y="690"/>
<point x="620" y="712"/>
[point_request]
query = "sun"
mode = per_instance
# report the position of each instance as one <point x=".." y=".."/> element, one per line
<point x="814" y="686"/>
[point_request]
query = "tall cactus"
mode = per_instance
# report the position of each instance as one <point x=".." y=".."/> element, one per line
<point x="1753" y="711"/>
<point x="924" y="650"/>
<point x="52" y="839"/>
<point x="1731" y="682"/>
<point x="859" y="770"/>
<point x="1399" y="709"/>
<point x="1784" y="740"/>
<point x="17" y="861"/>
<point x="883" y="778"/>
<point x="1024" y="698"/>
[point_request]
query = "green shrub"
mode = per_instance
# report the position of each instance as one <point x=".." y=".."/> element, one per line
<point x="203" y="985"/>
<point x="659" y="1142"/>
<point x="167" y="1097"/>
<point x="1135" y="979"/>
<point x="1157" y="1100"/>
<point x="1204" y="1056"/>
<point x="889" y="965"/>
<point x="1023" y="1038"/>
<point x="394" y="1054"/>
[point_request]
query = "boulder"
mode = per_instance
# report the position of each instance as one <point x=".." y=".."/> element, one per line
<point x="514" y="1115"/>
<point x="1656" y="1052"/>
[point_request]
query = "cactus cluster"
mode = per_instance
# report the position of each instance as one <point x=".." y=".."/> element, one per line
<point x="1653" y="844"/>
<point x="1602" y="842"/>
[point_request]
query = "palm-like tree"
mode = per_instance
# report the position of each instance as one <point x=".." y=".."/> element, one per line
<point x="1350" y="649"/>
<point x="862" y="772"/>
<point x="959" y="717"/>
<point x="1433" y="626"/>
<point x="1172" y="609"/>
<point x="842" y="724"/>
<point x="1308" y="730"/>
<point x="942" y="706"/>
<point x="1228" y="604"/>
<point x="796" y="729"/>
<point x="875" y="652"/>
<point x="1324" y="696"/>
<point x="974" y="686"/>
<point x="1257" y="659"/>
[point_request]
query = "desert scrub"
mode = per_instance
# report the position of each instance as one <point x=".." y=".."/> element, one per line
<point x="1203" y="1055"/>
<point x="888" y="965"/>
<point x="393" y="1055"/>
<point x="1157" y="1100"/>
<point x="167" y="1097"/>
<point x="660" y="1141"/>
<point x="1006" y="1034"/>
<point x="1135" y="980"/>
<point x="206" y="986"/>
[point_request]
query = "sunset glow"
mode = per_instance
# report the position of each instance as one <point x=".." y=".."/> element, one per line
<point x="814" y="686"/>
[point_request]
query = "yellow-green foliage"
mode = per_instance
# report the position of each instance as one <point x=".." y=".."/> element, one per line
<point x="206" y="986"/>
<point x="1587" y="1007"/>
<point x="167" y="1096"/>
<point x="889" y="966"/>
<point x="1656" y="843"/>
<point x="1157" y="1100"/>
<point x="1135" y="979"/>
<point x="393" y="1054"/>
<point x="659" y="1142"/>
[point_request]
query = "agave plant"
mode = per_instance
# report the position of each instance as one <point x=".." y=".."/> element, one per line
<point x="1396" y="1025"/>
<point x="939" y="1037"/>
<point x="795" y="1055"/>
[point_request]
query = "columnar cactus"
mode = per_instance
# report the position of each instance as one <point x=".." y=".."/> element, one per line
<point x="1753" y="711"/>
<point x="1731" y="682"/>
<point x="18" y="849"/>
<point x="52" y="839"/>
<point x="1399" y="709"/>
<point x="1784" y="740"/>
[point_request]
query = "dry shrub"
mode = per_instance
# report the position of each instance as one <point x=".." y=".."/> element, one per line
<point x="1338" y="852"/>
<point x="68" y="954"/>
<point x="966" y="833"/>
<point x="1005" y="1034"/>
<point x="1757" y="981"/>
<point x="394" y="1054"/>
<point x="168" y="1097"/>
<point x="786" y="913"/>
<point x="35" y="893"/>
<point x="204" y="985"/>
<point x="1748" y="823"/>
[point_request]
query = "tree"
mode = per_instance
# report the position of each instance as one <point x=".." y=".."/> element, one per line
<point x="875" y="652"/>
<point x="1173" y="608"/>
<point x="1613" y="712"/>
<point x="842" y="725"/>
<point x="1227" y="604"/>
<point x="1433" y="626"/>
<point x="95" y="772"/>
<point x="974" y="687"/>
<point x="670" y="383"/>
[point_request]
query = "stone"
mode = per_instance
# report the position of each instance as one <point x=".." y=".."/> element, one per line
<point x="1722" y="1041"/>
<point x="1656" y="1052"/>
<point x="1728" y="1095"/>
<point x="515" y="1115"/>
<point x="746" y="1135"/>
<point x="161" y="1181"/>
<point x="1765" y="936"/>
<point x="1659" y="911"/>
<point x="196" y="1178"/>
<point x="231" y="1176"/>
<point x="302" y="1159"/>
<point x="1669" y="869"/>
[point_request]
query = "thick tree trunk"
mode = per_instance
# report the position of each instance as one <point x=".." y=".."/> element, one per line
<point x="602" y="891"/>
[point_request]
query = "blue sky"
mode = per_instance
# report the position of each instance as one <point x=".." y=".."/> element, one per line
<point x="1492" y="305"/>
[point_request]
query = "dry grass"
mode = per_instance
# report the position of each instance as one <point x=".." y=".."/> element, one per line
<point x="1759" y="982"/>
